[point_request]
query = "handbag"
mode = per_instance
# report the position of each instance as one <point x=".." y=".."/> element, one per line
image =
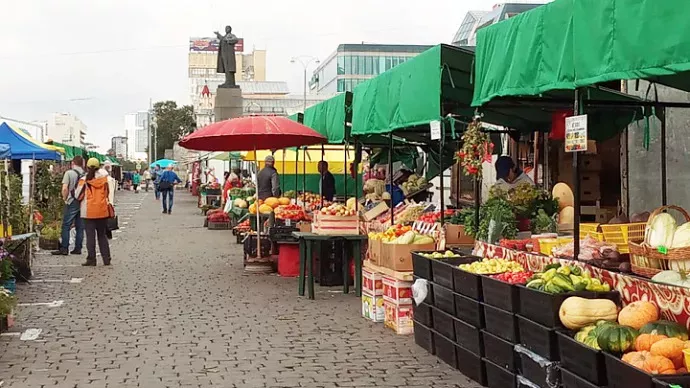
<point x="113" y="223"/>
<point x="164" y="185"/>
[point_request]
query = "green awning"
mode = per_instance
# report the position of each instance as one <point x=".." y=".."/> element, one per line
<point x="329" y="117"/>
<point x="568" y="44"/>
<point x="294" y="117"/>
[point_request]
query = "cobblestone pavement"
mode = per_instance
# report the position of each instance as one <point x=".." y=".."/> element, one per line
<point x="176" y="310"/>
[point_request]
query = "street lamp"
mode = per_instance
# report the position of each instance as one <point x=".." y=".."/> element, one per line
<point x="305" y="61"/>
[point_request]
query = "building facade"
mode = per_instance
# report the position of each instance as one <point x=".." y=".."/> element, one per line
<point x="118" y="145"/>
<point x="136" y="132"/>
<point x="352" y="64"/>
<point x="67" y="129"/>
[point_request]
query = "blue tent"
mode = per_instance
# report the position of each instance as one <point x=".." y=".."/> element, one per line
<point x="23" y="147"/>
<point x="5" y="151"/>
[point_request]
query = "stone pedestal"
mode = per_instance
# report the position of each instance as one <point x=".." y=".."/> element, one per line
<point x="228" y="104"/>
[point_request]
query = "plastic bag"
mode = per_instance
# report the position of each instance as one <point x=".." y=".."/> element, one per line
<point x="420" y="289"/>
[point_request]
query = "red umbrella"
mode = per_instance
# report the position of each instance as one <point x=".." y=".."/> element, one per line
<point x="252" y="133"/>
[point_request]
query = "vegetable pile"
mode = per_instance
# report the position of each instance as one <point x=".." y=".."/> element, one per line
<point x="432" y="217"/>
<point x="219" y="217"/>
<point x="557" y="279"/>
<point x="290" y="212"/>
<point x="514" y="277"/>
<point x="492" y="266"/>
<point x="439" y="255"/>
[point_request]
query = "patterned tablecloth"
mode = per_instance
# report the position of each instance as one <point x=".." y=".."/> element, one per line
<point x="674" y="302"/>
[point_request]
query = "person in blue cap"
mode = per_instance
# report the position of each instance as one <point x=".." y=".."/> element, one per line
<point x="508" y="175"/>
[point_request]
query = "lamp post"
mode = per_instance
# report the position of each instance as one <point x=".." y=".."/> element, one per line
<point x="305" y="61"/>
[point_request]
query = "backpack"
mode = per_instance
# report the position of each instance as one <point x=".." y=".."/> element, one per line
<point x="79" y="176"/>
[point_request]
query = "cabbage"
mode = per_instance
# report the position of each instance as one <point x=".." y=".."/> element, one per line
<point x="661" y="231"/>
<point x="681" y="238"/>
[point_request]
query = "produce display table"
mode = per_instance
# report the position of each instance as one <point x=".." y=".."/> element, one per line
<point x="673" y="301"/>
<point x="306" y="271"/>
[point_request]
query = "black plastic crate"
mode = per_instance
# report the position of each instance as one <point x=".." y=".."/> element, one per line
<point x="500" y="351"/>
<point x="585" y="362"/>
<point x="421" y="266"/>
<point x="424" y="337"/>
<point x="666" y="381"/>
<point x="467" y="283"/>
<point x="422" y="314"/>
<point x="538" y="338"/>
<point x="471" y="365"/>
<point x="443" y="299"/>
<point x="469" y="337"/>
<point x="445" y="349"/>
<point x="501" y="323"/>
<point x="571" y="380"/>
<point x="443" y="269"/>
<point x="500" y="294"/>
<point x="622" y="375"/>
<point x="544" y="373"/>
<point x="469" y="310"/>
<point x="497" y="377"/>
<point x="444" y="323"/>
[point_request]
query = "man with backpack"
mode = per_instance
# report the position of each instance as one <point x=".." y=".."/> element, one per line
<point x="71" y="211"/>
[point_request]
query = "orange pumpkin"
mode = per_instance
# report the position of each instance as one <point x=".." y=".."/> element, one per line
<point x="659" y="365"/>
<point x="671" y="348"/>
<point x="645" y="341"/>
<point x="636" y="359"/>
<point x="681" y="371"/>
<point x="638" y="314"/>
<point x="272" y="202"/>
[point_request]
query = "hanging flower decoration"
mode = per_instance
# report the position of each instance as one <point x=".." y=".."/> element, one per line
<point x="476" y="149"/>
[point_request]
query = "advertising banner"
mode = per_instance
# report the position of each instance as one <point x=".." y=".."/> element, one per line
<point x="211" y="45"/>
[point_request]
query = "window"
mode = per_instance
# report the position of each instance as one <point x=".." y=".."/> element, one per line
<point x="368" y="65"/>
<point x="341" y="65"/>
<point x="375" y="70"/>
<point x="360" y="65"/>
<point x="389" y="63"/>
<point x="348" y="64"/>
<point x="341" y="85"/>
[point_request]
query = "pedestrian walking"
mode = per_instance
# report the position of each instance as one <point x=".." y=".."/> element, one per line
<point x="96" y="209"/>
<point x="136" y="180"/>
<point x="166" y="186"/>
<point x="147" y="179"/>
<point x="155" y="177"/>
<point x="71" y="210"/>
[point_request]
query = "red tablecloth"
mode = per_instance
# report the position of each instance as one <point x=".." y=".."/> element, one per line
<point x="674" y="302"/>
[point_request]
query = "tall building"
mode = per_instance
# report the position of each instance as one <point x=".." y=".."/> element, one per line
<point x="352" y="64"/>
<point x="119" y="146"/>
<point x="136" y="132"/>
<point x="474" y="20"/>
<point x="67" y="129"/>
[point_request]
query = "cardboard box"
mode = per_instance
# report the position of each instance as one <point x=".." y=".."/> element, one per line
<point x="376" y="211"/>
<point x="398" y="317"/>
<point x="376" y="252"/>
<point x="335" y="225"/>
<point x="455" y="235"/>
<point x="304" y="227"/>
<point x="397" y="291"/>
<point x="372" y="307"/>
<point x="398" y="257"/>
<point x="372" y="282"/>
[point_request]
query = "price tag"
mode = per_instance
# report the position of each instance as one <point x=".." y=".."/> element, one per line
<point x="288" y="222"/>
<point x="663" y="250"/>
<point x="435" y="129"/>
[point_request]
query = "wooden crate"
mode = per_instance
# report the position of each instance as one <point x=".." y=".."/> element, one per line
<point x="335" y="225"/>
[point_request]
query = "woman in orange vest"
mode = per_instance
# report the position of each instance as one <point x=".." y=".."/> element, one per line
<point x="94" y="192"/>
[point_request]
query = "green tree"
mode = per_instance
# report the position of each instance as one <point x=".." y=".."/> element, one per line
<point x="172" y="123"/>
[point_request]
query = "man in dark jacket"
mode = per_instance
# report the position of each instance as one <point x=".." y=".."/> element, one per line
<point x="327" y="181"/>
<point x="269" y="183"/>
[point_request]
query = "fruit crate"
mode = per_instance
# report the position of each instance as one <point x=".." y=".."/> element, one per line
<point x="538" y="338"/>
<point x="444" y="300"/>
<point x="443" y="269"/>
<point x="585" y="362"/>
<point x="498" y="377"/>
<point x="421" y="266"/>
<point x="571" y="380"/>
<point x="444" y="349"/>
<point x="591" y="229"/>
<point x="471" y="365"/>
<point x="469" y="310"/>
<point x="542" y="307"/>
<point x="621" y="234"/>
<point x="622" y="375"/>
<point x="424" y="337"/>
<point x="219" y="225"/>
<point x="500" y="294"/>
<point x="443" y="323"/>
<point x="469" y="337"/>
<point x="422" y="314"/>
<point x="501" y="323"/>
<point x="500" y="351"/>
<point x="538" y="370"/>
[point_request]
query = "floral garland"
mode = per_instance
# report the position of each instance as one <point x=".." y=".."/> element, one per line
<point x="476" y="149"/>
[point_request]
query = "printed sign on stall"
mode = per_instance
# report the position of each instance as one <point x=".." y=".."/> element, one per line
<point x="576" y="133"/>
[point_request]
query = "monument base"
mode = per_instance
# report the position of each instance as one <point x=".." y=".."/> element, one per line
<point x="228" y="103"/>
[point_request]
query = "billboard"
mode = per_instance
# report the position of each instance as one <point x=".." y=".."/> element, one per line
<point x="211" y="45"/>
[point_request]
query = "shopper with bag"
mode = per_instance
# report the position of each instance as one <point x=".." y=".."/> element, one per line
<point x="94" y="192"/>
<point x="112" y="187"/>
<point x="166" y="186"/>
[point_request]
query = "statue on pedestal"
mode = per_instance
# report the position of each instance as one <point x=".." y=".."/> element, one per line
<point x="226" y="57"/>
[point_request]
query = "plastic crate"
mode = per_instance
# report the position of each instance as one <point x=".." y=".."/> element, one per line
<point x="546" y="245"/>
<point x="471" y="365"/>
<point x="498" y="377"/>
<point x="443" y="323"/>
<point x="585" y="362"/>
<point x="500" y="351"/>
<point x="501" y="323"/>
<point x="542" y="307"/>
<point x="422" y="314"/>
<point x="468" y="284"/>
<point x="421" y="266"/>
<point x="443" y="299"/>
<point x="571" y="380"/>
<point x="469" y="310"/>
<point x="538" y="338"/>
<point x="424" y="337"/>
<point x="622" y="375"/>
<point x="445" y="349"/>
<point x="621" y="234"/>
<point x="219" y="225"/>
<point x="538" y="370"/>
<point x="591" y="230"/>
<point x="500" y="294"/>
<point x="469" y="337"/>
<point x="443" y="269"/>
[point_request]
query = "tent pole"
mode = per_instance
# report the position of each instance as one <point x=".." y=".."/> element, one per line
<point x="258" y="217"/>
<point x="664" y="193"/>
<point x="356" y="169"/>
<point x="304" y="171"/>
<point x="323" y="152"/>
<point x="283" y="178"/>
<point x="577" y="110"/>
<point x="390" y="174"/>
<point x="296" y="172"/>
<point x="457" y="172"/>
<point x="345" y="171"/>
<point x="440" y="170"/>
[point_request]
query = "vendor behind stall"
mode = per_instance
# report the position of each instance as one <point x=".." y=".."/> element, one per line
<point x="327" y="181"/>
<point x="508" y="175"/>
<point x="269" y="183"/>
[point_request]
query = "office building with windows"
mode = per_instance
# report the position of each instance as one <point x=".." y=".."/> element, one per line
<point x="352" y="64"/>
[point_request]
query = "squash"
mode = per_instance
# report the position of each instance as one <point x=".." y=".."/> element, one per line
<point x="265" y="209"/>
<point x="273" y="202"/>
<point x="284" y="200"/>
<point x="645" y="341"/>
<point x="252" y="208"/>
<point x="674" y="278"/>
<point x="659" y="365"/>
<point x="564" y="195"/>
<point x="671" y="348"/>
<point x="567" y="215"/>
<point x="636" y="359"/>
<point x="616" y="339"/>
<point x="638" y="314"/>
<point x="576" y="313"/>
<point x="667" y="328"/>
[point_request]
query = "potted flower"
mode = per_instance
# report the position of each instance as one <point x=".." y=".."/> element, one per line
<point x="7" y="280"/>
<point x="7" y="304"/>
<point x="50" y="238"/>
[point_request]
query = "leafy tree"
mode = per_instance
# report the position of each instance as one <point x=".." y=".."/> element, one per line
<point x="172" y="123"/>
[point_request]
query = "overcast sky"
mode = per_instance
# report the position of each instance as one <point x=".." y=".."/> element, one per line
<point x="102" y="59"/>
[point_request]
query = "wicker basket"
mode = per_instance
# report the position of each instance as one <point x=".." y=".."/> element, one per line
<point x="648" y="261"/>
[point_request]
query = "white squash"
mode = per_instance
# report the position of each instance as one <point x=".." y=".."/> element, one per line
<point x="672" y="277"/>
<point x="681" y="238"/>
<point x="564" y="194"/>
<point x="567" y="215"/>
<point x="661" y="231"/>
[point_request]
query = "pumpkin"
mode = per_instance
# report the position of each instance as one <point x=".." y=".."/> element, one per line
<point x="273" y="202"/>
<point x="284" y="201"/>
<point x="667" y="328"/>
<point x="265" y="209"/>
<point x="645" y="341"/>
<point x="638" y="314"/>
<point x="659" y="365"/>
<point x="636" y="359"/>
<point x="576" y="313"/>
<point x="671" y="348"/>
<point x="252" y="208"/>
<point x="616" y="339"/>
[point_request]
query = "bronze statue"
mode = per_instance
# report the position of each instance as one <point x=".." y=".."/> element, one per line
<point x="226" y="57"/>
